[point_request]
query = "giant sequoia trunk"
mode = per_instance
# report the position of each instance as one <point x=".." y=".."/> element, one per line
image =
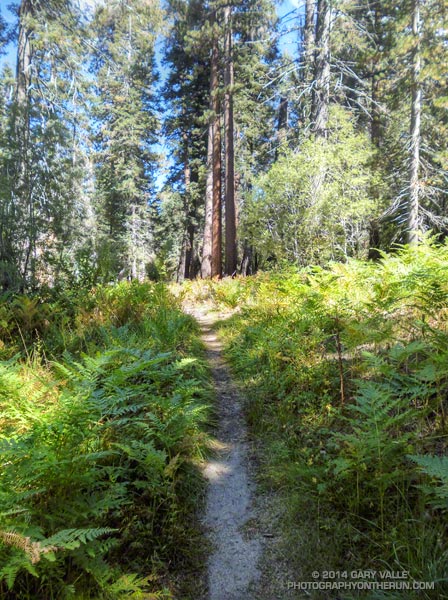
<point x="321" y="84"/>
<point x="217" y="207"/>
<point x="211" y="252"/>
<point x="206" y="263"/>
<point x="191" y="176"/>
<point x="416" y="109"/>
<point x="230" y="215"/>
<point x="183" y="267"/>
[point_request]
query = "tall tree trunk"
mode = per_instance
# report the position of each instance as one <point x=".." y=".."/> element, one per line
<point x="212" y="239"/>
<point x="216" y="266"/>
<point x="24" y="209"/>
<point x="206" y="262"/>
<point x="308" y="41"/>
<point x="416" y="109"/>
<point x="183" y="260"/>
<point x="230" y="215"/>
<point x="189" y="253"/>
<point x="375" y="122"/>
<point x="133" y="269"/>
<point x="375" y="136"/>
<point x="321" y="84"/>
<point x="375" y="131"/>
<point x="181" y="264"/>
<point x="190" y="176"/>
<point x="23" y="69"/>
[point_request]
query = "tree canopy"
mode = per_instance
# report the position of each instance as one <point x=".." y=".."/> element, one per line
<point x="194" y="138"/>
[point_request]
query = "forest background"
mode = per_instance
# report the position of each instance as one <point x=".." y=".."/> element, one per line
<point x="303" y="143"/>
<point x="190" y="139"/>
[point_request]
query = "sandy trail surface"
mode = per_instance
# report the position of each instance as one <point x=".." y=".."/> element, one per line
<point x="232" y="569"/>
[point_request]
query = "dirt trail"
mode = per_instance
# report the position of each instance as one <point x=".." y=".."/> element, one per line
<point x="232" y="569"/>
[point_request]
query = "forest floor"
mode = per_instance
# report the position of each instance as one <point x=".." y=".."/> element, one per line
<point x="246" y="560"/>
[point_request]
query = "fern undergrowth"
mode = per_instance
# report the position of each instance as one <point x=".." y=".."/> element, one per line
<point x="102" y="420"/>
<point x="346" y="371"/>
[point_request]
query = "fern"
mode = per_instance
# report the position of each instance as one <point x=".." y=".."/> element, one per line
<point x="16" y="564"/>
<point x="33" y="550"/>
<point x="95" y="445"/>
<point x="435" y="467"/>
<point x="73" y="538"/>
<point x="342" y="469"/>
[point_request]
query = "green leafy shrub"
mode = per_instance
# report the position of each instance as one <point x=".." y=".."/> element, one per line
<point x="314" y="206"/>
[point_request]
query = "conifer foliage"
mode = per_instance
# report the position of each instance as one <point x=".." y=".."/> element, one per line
<point x="102" y="89"/>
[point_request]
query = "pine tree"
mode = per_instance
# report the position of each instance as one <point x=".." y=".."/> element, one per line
<point x="125" y="34"/>
<point x="40" y="172"/>
<point x="186" y="94"/>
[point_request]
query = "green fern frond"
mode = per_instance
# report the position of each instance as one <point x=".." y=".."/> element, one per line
<point x="72" y="538"/>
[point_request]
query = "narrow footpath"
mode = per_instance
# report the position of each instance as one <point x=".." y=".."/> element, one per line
<point x="246" y="560"/>
<point x="232" y="568"/>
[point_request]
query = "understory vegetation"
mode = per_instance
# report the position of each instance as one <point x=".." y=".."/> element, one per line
<point x="103" y="400"/>
<point x="346" y="370"/>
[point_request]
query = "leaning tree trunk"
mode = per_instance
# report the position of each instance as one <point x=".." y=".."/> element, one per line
<point x="321" y="84"/>
<point x="230" y="215"/>
<point x="416" y="109"/>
